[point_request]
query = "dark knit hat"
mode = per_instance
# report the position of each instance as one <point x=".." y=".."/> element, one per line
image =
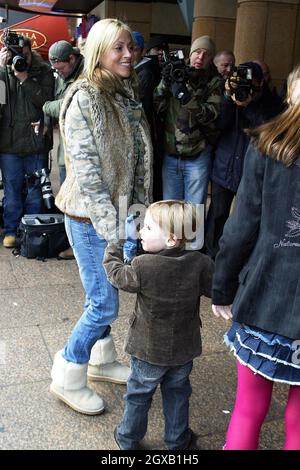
<point x="157" y="41"/>
<point x="60" y="51"/>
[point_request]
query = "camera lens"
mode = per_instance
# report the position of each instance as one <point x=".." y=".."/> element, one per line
<point x="46" y="189"/>
<point x="19" y="63"/>
<point x="242" y="93"/>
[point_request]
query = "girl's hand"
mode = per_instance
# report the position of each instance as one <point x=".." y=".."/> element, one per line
<point x="222" y="311"/>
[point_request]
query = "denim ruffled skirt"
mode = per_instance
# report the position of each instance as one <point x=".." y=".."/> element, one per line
<point x="273" y="356"/>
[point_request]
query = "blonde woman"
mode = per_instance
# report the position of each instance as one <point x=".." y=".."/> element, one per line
<point x="257" y="278"/>
<point x="108" y="157"/>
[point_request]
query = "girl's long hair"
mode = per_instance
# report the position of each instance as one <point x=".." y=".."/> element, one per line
<point x="102" y="37"/>
<point x="280" y="137"/>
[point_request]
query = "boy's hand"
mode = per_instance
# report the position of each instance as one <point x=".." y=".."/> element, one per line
<point x="222" y="311"/>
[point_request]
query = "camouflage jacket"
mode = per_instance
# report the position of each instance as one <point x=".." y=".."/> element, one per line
<point x="99" y="156"/>
<point x="190" y="127"/>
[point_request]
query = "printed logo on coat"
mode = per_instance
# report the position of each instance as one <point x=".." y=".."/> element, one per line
<point x="293" y="232"/>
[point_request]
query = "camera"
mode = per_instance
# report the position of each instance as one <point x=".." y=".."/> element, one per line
<point x="178" y="74"/>
<point x="240" y="82"/>
<point x="176" y="64"/>
<point x="15" y="42"/>
<point x="45" y="184"/>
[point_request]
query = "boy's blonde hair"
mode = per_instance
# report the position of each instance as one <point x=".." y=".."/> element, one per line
<point x="177" y="218"/>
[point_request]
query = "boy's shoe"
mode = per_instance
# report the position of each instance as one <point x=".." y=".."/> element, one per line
<point x="116" y="439"/>
<point x="9" y="241"/>
<point x="138" y="447"/>
<point x="193" y="442"/>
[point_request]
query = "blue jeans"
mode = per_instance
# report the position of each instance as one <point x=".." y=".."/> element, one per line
<point x="176" y="391"/>
<point x="187" y="179"/>
<point x="19" y="199"/>
<point x="101" y="302"/>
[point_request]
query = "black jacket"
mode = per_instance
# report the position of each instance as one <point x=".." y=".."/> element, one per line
<point x="17" y="135"/>
<point x="233" y="142"/>
<point x="258" y="265"/>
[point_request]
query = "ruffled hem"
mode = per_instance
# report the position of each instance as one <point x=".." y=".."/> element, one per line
<point x="271" y="359"/>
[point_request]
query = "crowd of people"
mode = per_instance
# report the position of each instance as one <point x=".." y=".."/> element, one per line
<point x="139" y="123"/>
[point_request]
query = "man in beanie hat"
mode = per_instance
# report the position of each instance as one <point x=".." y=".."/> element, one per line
<point x="68" y="63"/>
<point x="246" y="103"/>
<point x="205" y="45"/>
<point x="191" y="106"/>
<point x="60" y="51"/>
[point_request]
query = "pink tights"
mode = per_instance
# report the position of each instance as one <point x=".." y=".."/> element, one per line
<point x="253" y="399"/>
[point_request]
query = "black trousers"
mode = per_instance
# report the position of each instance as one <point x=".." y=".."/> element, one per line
<point x="218" y="213"/>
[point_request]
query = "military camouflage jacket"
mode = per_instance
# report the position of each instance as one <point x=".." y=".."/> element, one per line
<point x="190" y="127"/>
<point x="100" y="157"/>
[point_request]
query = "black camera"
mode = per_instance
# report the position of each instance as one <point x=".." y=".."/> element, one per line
<point x="240" y="82"/>
<point x="15" y="43"/>
<point x="45" y="184"/>
<point x="177" y="74"/>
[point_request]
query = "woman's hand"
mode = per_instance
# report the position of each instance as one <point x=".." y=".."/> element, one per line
<point x="222" y="311"/>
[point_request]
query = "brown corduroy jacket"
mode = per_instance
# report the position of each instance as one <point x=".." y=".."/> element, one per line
<point x="165" y="325"/>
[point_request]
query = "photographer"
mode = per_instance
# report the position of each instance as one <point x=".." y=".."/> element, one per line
<point x="246" y="103"/>
<point x="68" y="64"/>
<point x="23" y="144"/>
<point x="189" y="94"/>
<point x="149" y="75"/>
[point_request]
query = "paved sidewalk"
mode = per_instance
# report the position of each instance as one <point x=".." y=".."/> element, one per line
<point x="39" y="305"/>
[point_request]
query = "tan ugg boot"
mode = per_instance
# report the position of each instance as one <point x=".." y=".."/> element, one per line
<point x="103" y="365"/>
<point x="69" y="385"/>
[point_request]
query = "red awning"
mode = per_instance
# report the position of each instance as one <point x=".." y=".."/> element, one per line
<point x="43" y="31"/>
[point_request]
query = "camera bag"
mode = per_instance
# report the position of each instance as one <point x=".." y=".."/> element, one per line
<point x="41" y="236"/>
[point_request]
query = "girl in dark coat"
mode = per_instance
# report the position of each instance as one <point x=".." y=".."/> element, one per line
<point x="257" y="277"/>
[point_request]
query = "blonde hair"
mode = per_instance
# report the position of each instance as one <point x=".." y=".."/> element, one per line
<point x="280" y="138"/>
<point x="101" y="38"/>
<point x="177" y="218"/>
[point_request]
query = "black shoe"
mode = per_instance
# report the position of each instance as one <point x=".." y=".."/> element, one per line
<point x="116" y="439"/>
<point x="138" y="447"/>
<point x="193" y="442"/>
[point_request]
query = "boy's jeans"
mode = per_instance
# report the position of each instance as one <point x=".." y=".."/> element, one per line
<point x="101" y="302"/>
<point x="176" y="391"/>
